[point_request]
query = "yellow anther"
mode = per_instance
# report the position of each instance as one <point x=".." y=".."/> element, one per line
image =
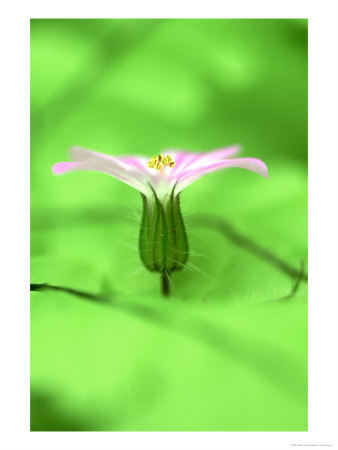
<point x="160" y="162"/>
<point x="152" y="162"/>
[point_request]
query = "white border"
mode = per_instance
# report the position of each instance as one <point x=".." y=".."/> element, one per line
<point x="323" y="224"/>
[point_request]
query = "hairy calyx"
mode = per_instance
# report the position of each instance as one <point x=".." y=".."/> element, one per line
<point x="163" y="241"/>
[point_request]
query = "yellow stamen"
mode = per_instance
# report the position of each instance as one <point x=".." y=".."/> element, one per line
<point x="160" y="162"/>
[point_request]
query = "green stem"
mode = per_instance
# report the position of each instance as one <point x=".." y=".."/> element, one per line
<point x="165" y="284"/>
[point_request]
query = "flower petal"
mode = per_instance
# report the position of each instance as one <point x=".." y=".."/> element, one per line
<point x="120" y="168"/>
<point x="187" y="160"/>
<point x="253" y="164"/>
<point x="182" y="161"/>
<point x="219" y="154"/>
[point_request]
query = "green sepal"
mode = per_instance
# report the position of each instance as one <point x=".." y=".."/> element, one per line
<point x="163" y="240"/>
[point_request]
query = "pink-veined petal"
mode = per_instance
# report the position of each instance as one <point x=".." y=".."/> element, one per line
<point x="116" y="167"/>
<point x="80" y="154"/>
<point x="186" y="161"/>
<point x="182" y="161"/>
<point x="215" y="155"/>
<point x="252" y="164"/>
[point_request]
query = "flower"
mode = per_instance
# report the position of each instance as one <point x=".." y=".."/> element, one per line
<point x="141" y="175"/>
<point x="163" y="242"/>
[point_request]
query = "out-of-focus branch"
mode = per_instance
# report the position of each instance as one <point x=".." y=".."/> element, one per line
<point x="50" y="287"/>
<point x="226" y="229"/>
<point x="297" y="283"/>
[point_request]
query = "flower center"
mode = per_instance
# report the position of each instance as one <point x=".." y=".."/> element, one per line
<point x="160" y="162"/>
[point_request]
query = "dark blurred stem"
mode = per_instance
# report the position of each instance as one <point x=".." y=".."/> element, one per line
<point x="50" y="287"/>
<point x="165" y="284"/>
<point x="226" y="229"/>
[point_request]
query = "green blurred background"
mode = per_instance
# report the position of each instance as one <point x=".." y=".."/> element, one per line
<point x="226" y="352"/>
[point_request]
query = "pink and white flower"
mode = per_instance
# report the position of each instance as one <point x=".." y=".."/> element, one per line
<point x="163" y="242"/>
<point x="135" y="171"/>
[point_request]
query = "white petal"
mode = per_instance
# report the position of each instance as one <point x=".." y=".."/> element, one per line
<point x="116" y="167"/>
